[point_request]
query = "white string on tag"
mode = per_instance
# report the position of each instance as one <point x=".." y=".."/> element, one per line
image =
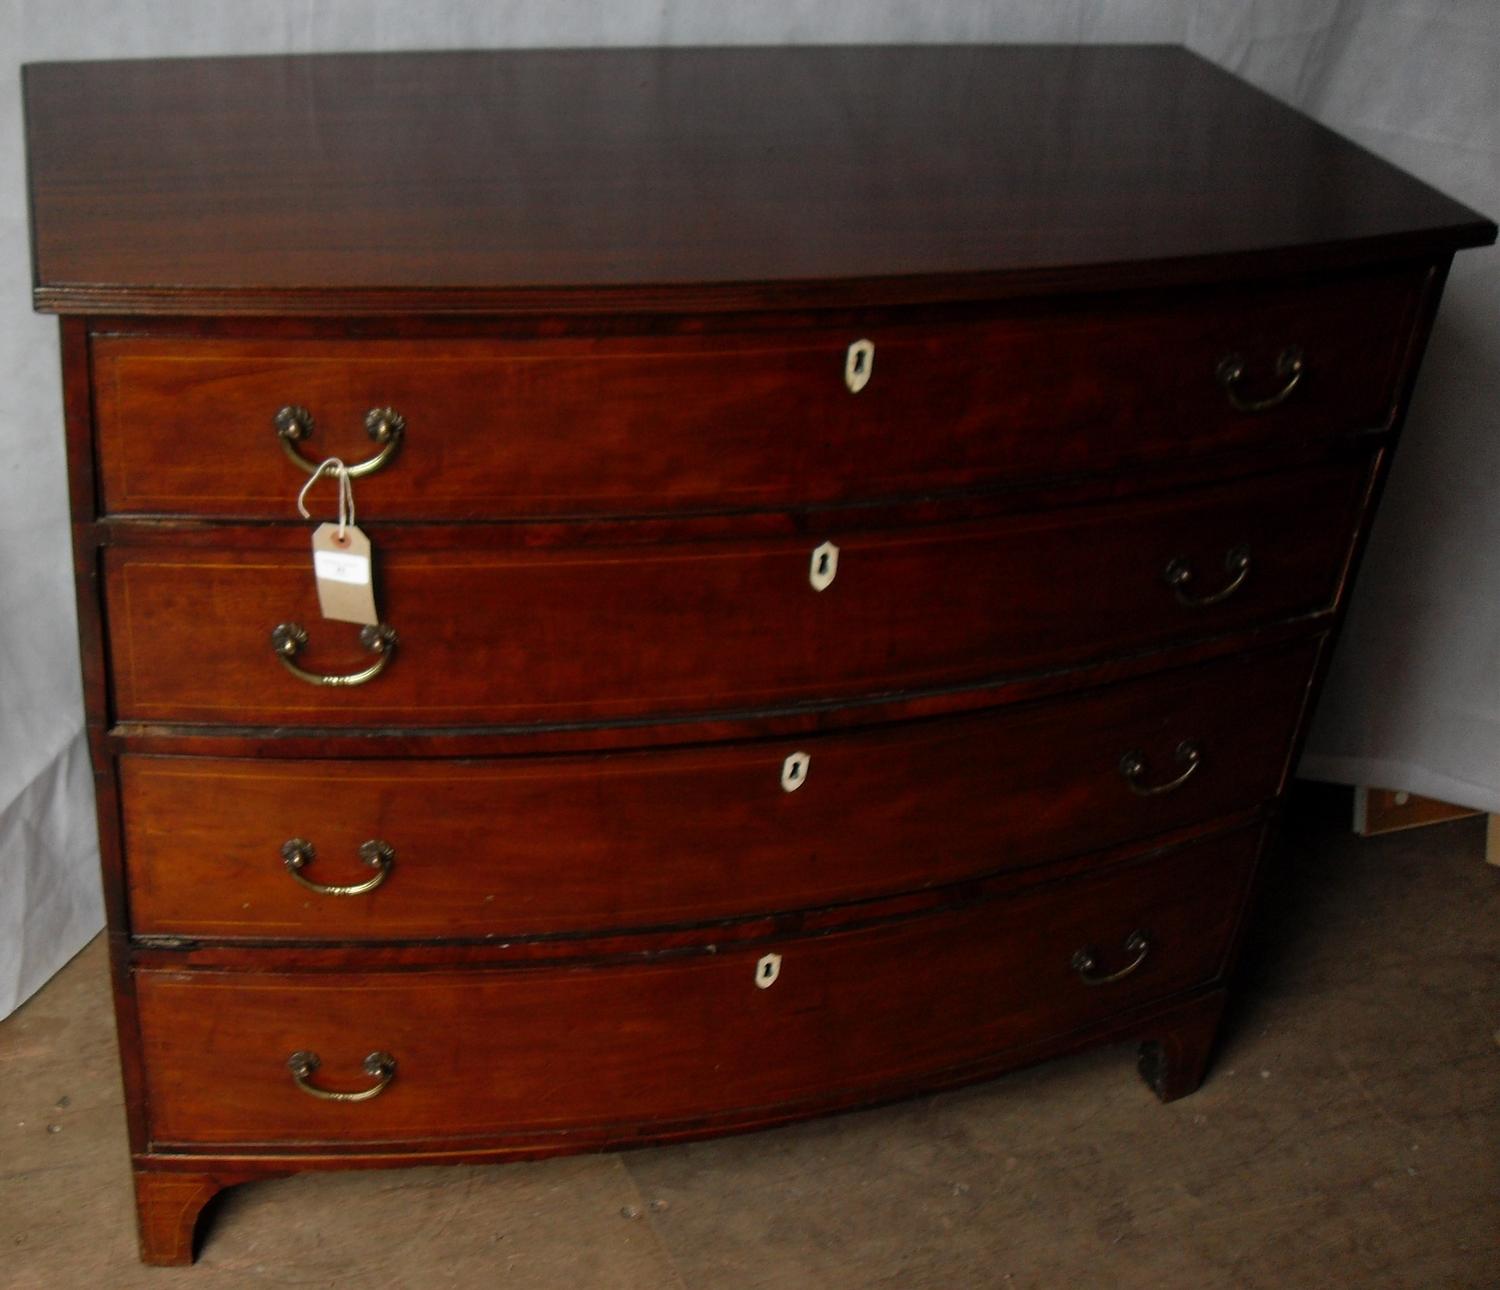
<point x="342" y="559"/>
<point x="346" y="493"/>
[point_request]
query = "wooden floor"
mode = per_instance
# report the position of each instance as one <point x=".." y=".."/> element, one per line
<point x="1349" y="1135"/>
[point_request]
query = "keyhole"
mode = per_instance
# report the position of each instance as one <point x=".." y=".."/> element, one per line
<point x="794" y="771"/>
<point x="824" y="566"/>
<point x="859" y="362"/>
<point x="766" y="971"/>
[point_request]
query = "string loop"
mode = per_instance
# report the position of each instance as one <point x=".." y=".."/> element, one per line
<point x="346" y="492"/>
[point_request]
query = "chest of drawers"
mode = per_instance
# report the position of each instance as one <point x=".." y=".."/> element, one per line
<point x="857" y="533"/>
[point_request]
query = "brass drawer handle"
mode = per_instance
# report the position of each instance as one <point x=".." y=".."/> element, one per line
<point x="290" y="639"/>
<point x="1179" y="576"/>
<point x="385" y="426"/>
<point x="1289" y="369"/>
<point x="1133" y="767"/>
<point x="297" y="854"/>
<point x="380" y="1067"/>
<point x="1084" y="963"/>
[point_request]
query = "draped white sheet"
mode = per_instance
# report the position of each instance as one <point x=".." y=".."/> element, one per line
<point x="1414" y="701"/>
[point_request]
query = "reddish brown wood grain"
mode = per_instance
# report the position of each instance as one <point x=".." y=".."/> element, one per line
<point x="609" y="947"/>
<point x="562" y="634"/>
<point x="686" y="179"/>
<point x="78" y="428"/>
<point x="168" y="1205"/>
<point x="551" y="271"/>
<point x="794" y="723"/>
<point x="540" y="1051"/>
<point x="611" y="425"/>
<point x="536" y="845"/>
<point x="1175" y="1052"/>
<point x="1180" y="1033"/>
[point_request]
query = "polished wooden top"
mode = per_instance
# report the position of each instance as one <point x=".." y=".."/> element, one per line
<point x="685" y="178"/>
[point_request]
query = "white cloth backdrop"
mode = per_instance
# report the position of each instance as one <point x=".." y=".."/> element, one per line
<point x="1415" y="699"/>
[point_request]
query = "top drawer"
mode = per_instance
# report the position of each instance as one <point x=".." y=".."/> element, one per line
<point x="612" y="425"/>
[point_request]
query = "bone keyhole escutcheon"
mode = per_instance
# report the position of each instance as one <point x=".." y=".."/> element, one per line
<point x="824" y="566"/>
<point x="859" y="362"/>
<point x="766" y="971"/>
<point x="794" y="771"/>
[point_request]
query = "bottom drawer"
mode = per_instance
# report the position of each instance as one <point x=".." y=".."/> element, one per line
<point x="514" y="1053"/>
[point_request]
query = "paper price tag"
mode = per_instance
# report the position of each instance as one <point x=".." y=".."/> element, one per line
<point x="342" y="566"/>
<point x="337" y="566"/>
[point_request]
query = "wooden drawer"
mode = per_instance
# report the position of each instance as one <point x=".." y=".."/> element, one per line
<point x="537" y="845"/>
<point x="565" y="633"/>
<point x="650" y="423"/>
<point x="525" y="1051"/>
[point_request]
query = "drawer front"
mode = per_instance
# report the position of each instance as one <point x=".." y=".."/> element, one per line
<point x="612" y="425"/>
<point x="538" y="845"/>
<point x="577" y="633"/>
<point x="527" y="1051"/>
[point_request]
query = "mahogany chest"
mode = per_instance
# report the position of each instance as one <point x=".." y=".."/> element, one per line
<point x="856" y="536"/>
